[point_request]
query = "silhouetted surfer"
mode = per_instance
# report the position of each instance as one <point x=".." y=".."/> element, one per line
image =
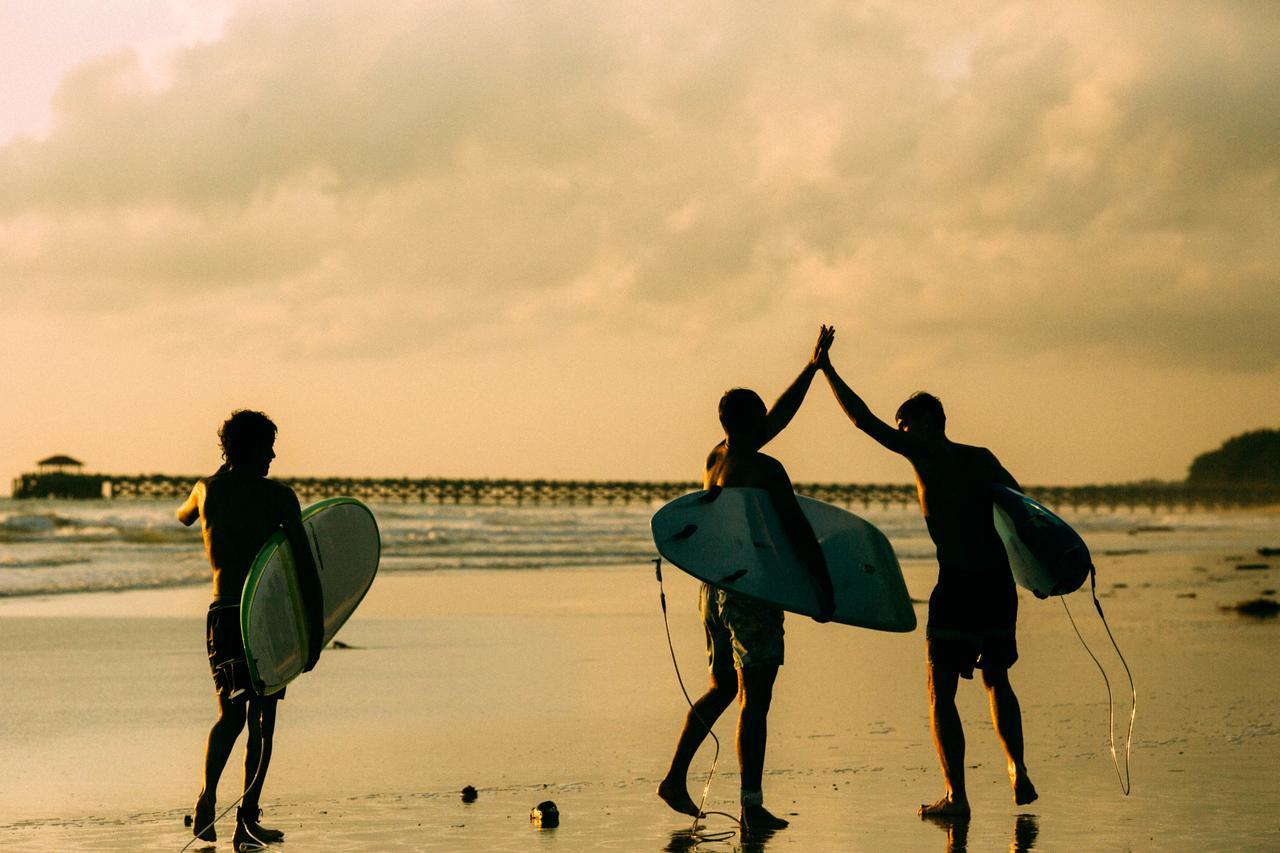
<point x="973" y="609"/>
<point x="239" y="509"/>
<point x="743" y="634"/>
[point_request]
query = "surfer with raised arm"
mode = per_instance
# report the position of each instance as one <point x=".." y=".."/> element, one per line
<point x="744" y="636"/>
<point x="973" y="608"/>
<point x="238" y="509"/>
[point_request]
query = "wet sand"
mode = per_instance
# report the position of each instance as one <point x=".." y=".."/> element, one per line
<point x="558" y="685"/>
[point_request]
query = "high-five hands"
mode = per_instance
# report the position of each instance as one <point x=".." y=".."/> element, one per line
<point x="821" y="357"/>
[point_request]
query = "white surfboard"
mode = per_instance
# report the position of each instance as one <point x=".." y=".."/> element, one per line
<point x="1046" y="556"/>
<point x="345" y="546"/>
<point x="736" y="541"/>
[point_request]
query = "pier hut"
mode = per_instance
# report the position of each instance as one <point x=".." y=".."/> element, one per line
<point x="59" y="464"/>
<point x="58" y="476"/>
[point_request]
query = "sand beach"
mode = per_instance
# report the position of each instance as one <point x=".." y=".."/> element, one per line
<point x="557" y="684"/>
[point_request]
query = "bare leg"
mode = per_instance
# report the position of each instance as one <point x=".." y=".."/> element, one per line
<point x="755" y="693"/>
<point x="1006" y="715"/>
<point x="222" y="737"/>
<point x="948" y="738"/>
<point x="257" y="754"/>
<point x="674" y="788"/>
<point x="257" y="758"/>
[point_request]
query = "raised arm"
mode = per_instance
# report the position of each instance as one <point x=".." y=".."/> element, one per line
<point x="786" y="406"/>
<point x="862" y="416"/>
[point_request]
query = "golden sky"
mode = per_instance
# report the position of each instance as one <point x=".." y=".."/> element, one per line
<point x="515" y="239"/>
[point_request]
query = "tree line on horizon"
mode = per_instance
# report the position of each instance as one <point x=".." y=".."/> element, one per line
<point x="1251" y="458"/>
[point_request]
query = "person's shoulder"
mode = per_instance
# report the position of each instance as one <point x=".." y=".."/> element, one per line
<point x="717" y="453"/>
<point x="768" y="465"/>
<point x="973" y="450"/>
<point x="211" y="483"/>
<point x="279" y="489"/>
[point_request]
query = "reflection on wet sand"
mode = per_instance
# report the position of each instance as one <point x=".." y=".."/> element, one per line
<point x="955" y="826"/>
<point x="1026" y="829"/>
<point x="687" y="840"/>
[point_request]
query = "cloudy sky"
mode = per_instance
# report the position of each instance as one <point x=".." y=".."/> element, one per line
<point x="540" y="239"/>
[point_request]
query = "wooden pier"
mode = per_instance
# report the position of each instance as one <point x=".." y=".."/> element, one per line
<point x="1150" y="496"/>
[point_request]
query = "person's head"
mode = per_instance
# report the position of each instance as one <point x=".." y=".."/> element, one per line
<point x="742" y="415"/>
<point x="248" y="441"/>
<point x="922" y="413"/>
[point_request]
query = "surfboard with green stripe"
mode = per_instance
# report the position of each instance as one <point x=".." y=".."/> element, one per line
<point x="277" y="633"/>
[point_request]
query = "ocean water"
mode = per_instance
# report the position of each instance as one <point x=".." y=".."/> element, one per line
<point x="61" y="546"/>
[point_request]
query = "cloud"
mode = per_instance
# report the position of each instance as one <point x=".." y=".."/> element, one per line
<point x="1088" y="180"/>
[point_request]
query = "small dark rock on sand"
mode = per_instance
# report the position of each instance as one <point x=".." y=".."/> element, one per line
<point x="338" y="644"/>
<point x="1269" y="552"/>
<point x="469" y="794"/>
<point x="545" y="815"/>
<point x="1186" y="595"/>
<point x="1252" y="567"/>
<point x="1261" y="608"/>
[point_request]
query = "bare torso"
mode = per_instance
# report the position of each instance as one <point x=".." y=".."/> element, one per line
<point x="238" y="513"/>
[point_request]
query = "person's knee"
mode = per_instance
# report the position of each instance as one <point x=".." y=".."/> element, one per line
<point x="996" y="679"/>
<point x="231" y="715"/>
<point x="723" y="690"/>
<point x="757" y="688"/>
<point x="942" y="685"/>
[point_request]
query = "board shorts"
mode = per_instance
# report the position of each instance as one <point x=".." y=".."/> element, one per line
<point x="226" y="653"/>
<point x="748" y="630"/>
<point x="965" y="650"/>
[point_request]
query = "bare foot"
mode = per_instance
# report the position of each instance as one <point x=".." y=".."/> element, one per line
<point x="948" y="806"/>
<point x="759" y="819"/>
<point x="244" y="841"/>
<point x="1023" y="791"/>
<point x="202" y="817"/>
<point x="260" y="833"/>
<point x="677" y="796"/>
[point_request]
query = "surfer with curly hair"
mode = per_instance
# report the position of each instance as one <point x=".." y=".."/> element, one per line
<point x="973" y="609"/>
<point x="238" y="509"/>
<point x="744" y="636"/>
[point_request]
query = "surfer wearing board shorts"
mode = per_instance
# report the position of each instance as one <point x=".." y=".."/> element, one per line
<point x="238" y="509"/>
<point x="744" y="636"/>
<point x="973" y="609"/>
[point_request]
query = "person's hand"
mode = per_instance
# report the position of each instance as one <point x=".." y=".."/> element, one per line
<point x="821" y="358"/>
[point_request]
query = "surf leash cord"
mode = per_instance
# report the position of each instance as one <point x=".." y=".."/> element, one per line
<point x="196" y="832"/>
<point x="699" y="834"/>
<point x="1126" y="784"/>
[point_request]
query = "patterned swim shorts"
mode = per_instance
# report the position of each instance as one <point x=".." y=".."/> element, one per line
<point x="747" y="629"/>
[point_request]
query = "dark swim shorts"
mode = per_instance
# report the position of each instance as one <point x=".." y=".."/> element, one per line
<point x="963" y="651"/>
<point x="226" y="653"/>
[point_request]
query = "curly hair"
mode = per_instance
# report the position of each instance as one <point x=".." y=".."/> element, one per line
<point x="246" y="434"/>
